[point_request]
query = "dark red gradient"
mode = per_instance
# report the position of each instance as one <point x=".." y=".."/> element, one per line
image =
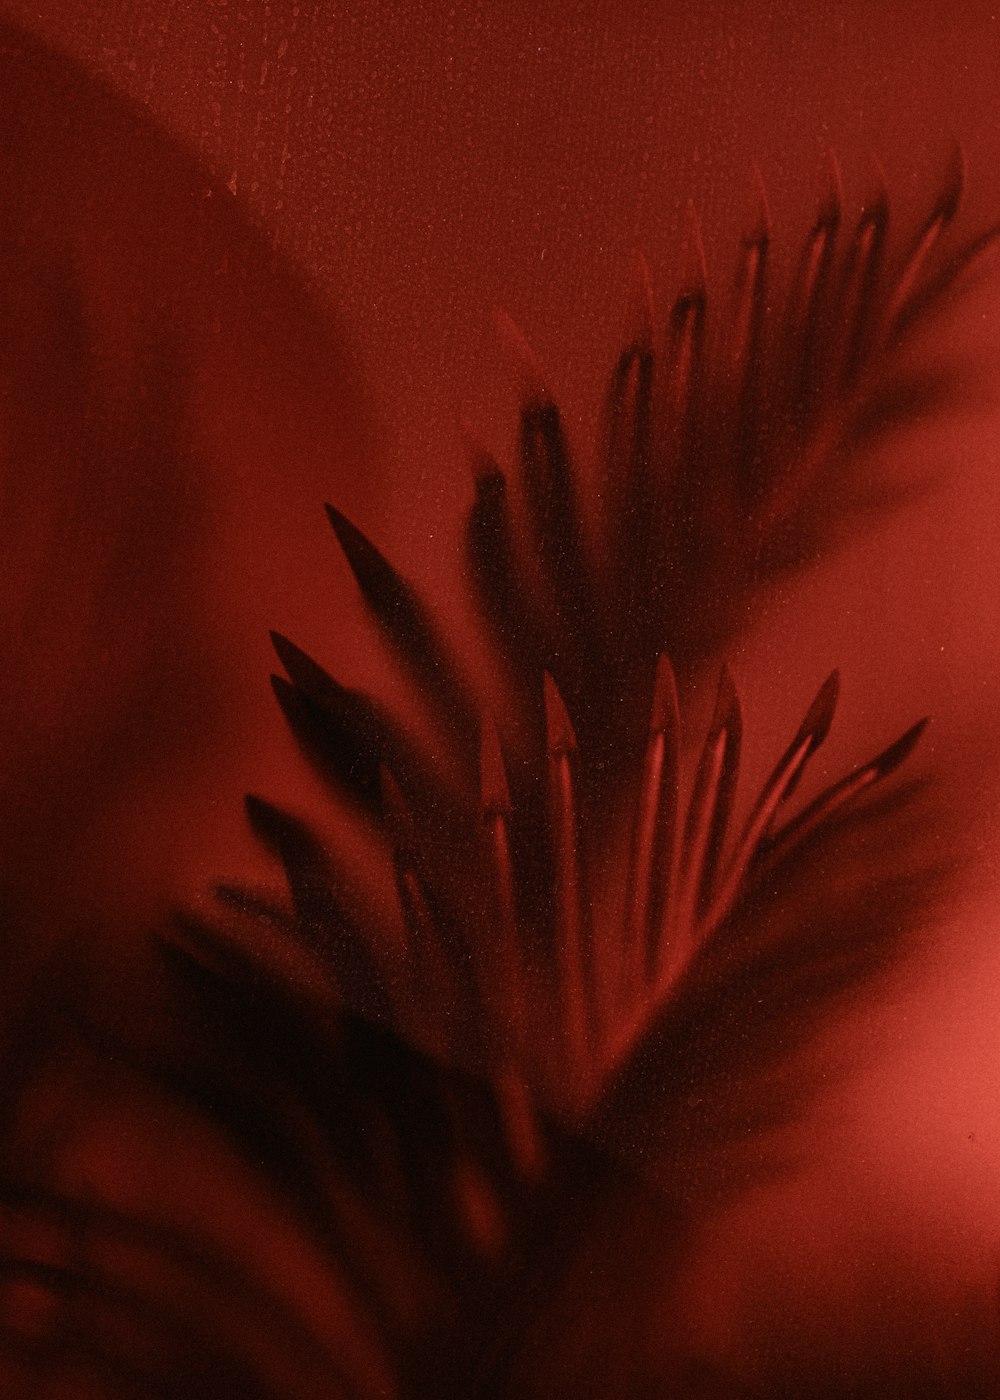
<point x="178" y="400"/>
<point x="175" y="404"/>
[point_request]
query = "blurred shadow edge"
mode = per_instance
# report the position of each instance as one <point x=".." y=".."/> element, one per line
<point x="174" y="405"/>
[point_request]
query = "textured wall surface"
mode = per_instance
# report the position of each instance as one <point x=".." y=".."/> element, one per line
<point x="254" y="252"/>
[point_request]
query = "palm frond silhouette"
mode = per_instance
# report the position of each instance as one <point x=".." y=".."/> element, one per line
<point x="485" y="1101"/>
<point x="714" y="473"/>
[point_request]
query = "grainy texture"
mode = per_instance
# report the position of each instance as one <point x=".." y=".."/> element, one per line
<point x="423" y="164"/>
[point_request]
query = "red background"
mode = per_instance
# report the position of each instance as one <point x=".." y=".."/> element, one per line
<point x="421" y="164"/>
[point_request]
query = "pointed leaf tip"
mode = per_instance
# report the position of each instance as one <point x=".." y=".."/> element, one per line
<point x="819" y="717"/>
<point x="284" y="691"/>
<point x="364" y="560"/>
<point x="897" y="754"/>
<point x="559" y="731"/>
<point x="267" y="822"/>
<point x="376" y="577"/>
<point x="948" y="201"/>
<point x="254" y="806"/>
<point x="292" y="657"/>
<point x="352" y="541"/>
<point x="308" y="676"/>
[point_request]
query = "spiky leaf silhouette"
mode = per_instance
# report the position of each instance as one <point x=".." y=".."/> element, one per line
<point x="514" y="950"/>
<point x="580" y="930"/>
<point x="484" y="1105"/>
